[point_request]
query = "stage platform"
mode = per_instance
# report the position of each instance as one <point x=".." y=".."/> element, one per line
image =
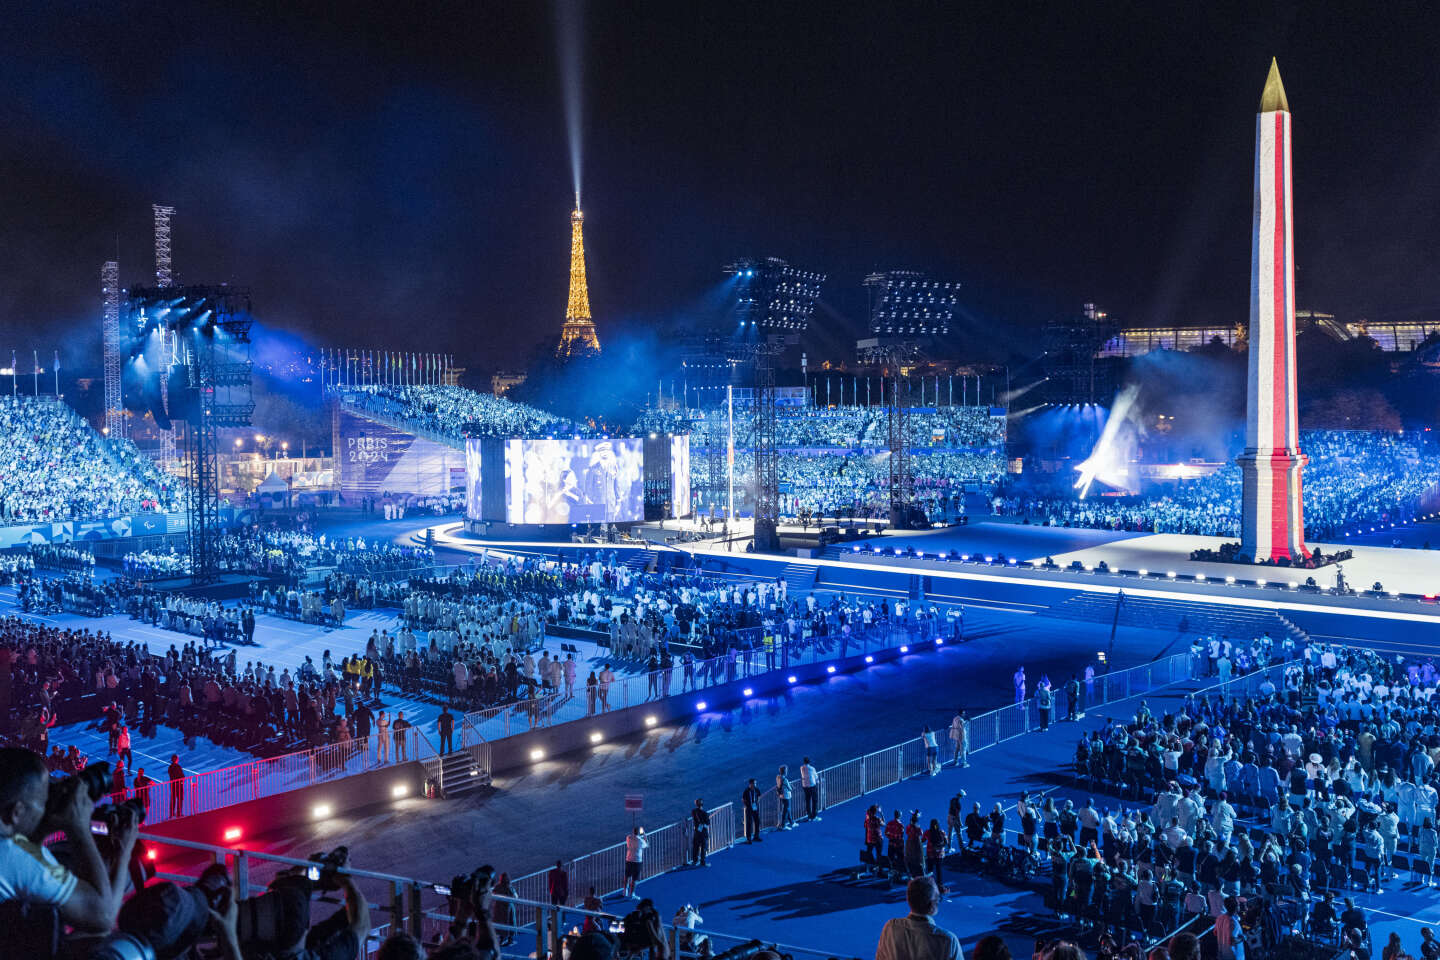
<point x="1398" y="569"/>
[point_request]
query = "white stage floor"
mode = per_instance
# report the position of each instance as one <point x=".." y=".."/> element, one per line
<point x="1407" y="571"/>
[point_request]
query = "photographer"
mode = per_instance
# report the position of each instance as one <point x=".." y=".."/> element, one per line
<point x="643" y="930"/>
<point x="32" y="806"/>
<point x="276" y="925"/>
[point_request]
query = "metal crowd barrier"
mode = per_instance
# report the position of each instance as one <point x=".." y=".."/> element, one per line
<point x="204" y="792"/>
<point x="670" y="845"/>
<point x="399" y="903"/>
<point x="496" y="723"/>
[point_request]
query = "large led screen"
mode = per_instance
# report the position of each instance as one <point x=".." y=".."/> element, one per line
<point x="680" y="476"/>
<point x="573" y="481"/>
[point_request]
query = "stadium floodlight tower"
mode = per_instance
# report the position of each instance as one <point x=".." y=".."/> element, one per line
<point x="210" y="390"/>
<point x="907" y="310"/>
<point x="110" y="333"/>
<point x="773" y="304"/>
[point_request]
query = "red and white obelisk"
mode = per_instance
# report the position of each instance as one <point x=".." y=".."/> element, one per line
<point x="1272" y="525"/>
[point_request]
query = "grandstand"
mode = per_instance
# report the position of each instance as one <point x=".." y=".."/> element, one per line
<point x="1356" y="481"/>
<point x="55" y="467"/>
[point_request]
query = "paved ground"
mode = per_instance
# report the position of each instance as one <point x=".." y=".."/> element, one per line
<point x="571" y="805"/>
<point x="796" y="886"/>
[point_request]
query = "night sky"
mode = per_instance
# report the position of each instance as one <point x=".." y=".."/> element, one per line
<point x="401" y="177"/>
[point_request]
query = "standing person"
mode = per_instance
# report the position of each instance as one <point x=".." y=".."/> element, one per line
<point x="176" y="773"/>
<point x="917" y="936"/>
<point x="1072" y="696"/>
<point x="895" y="840"/>
<point x="122" y="746"/>
<point x="955" y="819"/>
<point x="874" y="832"/>
<point x="1019" y="679"/>
<point x="783" y="820"/>
<point x="400" y="730"/>
<point x="142" y="788"/>
<point x="382" y="738"/>
<point x="810" y="786"/>
<point x="1229" y="934"/>
<point x="607" y="677"/>
<point x="699" y="834"/>
<point x="1044" y="701"/>
<point x="960" y="736"/>
<point x="750" y="800"/>
<point x="591" y="686"/>
<point x="914" y="847"/>
<point x="635" y="844"/>
<point x="570" y="669"/>
<point x="558" y="882"/>
<point x="936" y="846"/>
<point x="932" y="750"/>
<point x="446" y="723"/>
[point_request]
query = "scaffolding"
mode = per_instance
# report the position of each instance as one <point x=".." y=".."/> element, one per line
<point x="168" y="345"/>
<point x="110" y="332"/>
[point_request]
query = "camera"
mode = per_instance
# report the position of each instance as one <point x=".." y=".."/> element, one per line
<point x="93" y="778"/>
<point x="469" y="895"/>
<point x="471" y="887"/>
<point x="326" y="872"/>
<point x="112" y="816"/>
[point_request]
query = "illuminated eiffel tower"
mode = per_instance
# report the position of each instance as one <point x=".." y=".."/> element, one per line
<point x="578" y="333"/>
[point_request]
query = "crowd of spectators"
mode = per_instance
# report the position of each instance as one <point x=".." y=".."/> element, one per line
<point x="1320" y="784"/>
<point x="55" y="467"/>
<point x="847" y="427"/>
<point x="457" y="413"/>
<point x="1355" y="480"/>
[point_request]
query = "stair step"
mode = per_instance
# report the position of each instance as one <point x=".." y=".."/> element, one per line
<point x="1183" y="616"/>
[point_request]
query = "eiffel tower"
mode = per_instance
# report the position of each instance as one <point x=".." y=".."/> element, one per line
<point x="577" y="336"/>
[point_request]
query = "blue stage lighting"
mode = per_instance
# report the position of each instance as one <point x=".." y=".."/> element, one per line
<point x="905" y="649"/>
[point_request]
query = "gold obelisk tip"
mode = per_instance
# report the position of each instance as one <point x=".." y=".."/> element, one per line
<point x="1273" y="97"/>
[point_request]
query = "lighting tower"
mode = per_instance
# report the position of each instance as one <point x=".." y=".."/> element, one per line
<point x="210" y="326"/>
<point x="774" y="303"/>
<point x="110" y="331"/>
<point x="577" y="335"/>
<point x="907" y="308"/>
<point x="168" y="346"/>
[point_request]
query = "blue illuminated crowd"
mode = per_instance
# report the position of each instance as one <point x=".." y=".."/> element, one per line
<point x="1355" y="481"/>
<point x="456" y="413"/>
<point x="54" y="467"/>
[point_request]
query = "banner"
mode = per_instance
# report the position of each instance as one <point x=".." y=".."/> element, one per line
<point x="374" y="459"/>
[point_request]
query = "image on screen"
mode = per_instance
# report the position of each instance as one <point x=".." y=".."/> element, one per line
<point x="573" y="481"/>
<point x="473" y="509"/>
<point x="680" y="476"/>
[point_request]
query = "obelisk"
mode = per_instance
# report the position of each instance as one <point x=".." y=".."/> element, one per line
<point x="1272" y="525"/>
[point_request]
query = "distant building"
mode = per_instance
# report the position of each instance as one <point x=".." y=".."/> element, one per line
<point x="1139" y="340"/>
<point x="1403" y="336"/>
<point x="501" y="383"/>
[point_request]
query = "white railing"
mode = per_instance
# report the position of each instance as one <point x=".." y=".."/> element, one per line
<point x="670" y="846"/>
<point x="776" y="656"/>
<point x="416" y="906"/>
<point x="256" y="779"/>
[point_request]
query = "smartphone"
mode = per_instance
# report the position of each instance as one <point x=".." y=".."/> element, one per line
<point x="313" y="873"/>
<point x="441" y="889"/>
<point x="617" y="926"/>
